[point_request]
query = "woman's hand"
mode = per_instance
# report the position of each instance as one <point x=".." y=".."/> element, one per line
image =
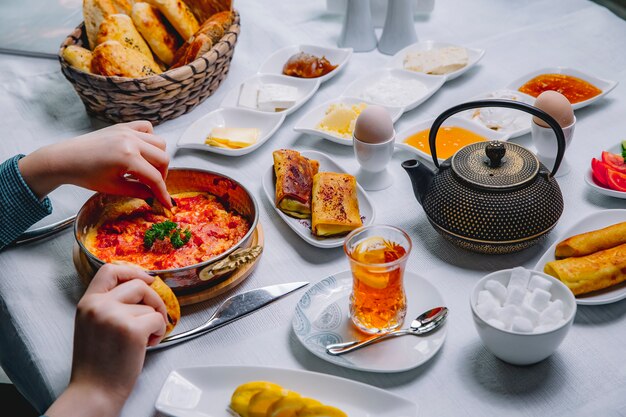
<point x="116" y="319"/>
<point x="126" y="159"/>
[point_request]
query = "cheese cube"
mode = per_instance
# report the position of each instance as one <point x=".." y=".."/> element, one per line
<point x="276" y="97"/>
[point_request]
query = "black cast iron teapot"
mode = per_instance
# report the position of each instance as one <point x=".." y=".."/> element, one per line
<point x="490" y="197"/>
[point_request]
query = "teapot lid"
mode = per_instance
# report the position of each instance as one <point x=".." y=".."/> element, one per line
<point x="495" y="165"/>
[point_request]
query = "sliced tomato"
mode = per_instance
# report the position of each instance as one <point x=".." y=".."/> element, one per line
<point x="616" y="180"/>
<point x="614" y="161"/>
<point x="600" y="171"/>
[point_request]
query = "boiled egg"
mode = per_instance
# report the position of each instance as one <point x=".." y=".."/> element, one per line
<point x="557" y="106"/>
<point x="374" y="125"/>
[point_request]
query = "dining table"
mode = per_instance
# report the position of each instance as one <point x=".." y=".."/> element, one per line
<point x="40" y="286"/>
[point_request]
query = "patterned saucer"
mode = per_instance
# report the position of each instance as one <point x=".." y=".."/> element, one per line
<point x="322" y="317"/>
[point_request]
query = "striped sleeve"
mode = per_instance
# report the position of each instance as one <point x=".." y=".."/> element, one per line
<point x="19" y="206"/>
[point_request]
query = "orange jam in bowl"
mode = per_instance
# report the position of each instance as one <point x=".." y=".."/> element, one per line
<point x="573" y="88"/>
<point x="449" y="140"/>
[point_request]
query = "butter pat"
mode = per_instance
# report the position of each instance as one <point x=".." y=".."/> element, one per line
<point x="437" y="61"/>
<point x="233" y="137"/>
<point x="276" y="97"/>
<point x="340" y="119"/>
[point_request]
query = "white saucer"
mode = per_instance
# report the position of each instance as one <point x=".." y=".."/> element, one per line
<point x="605" y="85"/>
<point x="336" y="56"/>
<point x="321" y="318"/>
<point x="195" y="135"/>
<point x="473" y="56"/>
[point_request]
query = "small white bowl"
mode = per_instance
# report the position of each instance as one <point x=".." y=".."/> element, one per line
<point x="306" y="89"/>
<point x="591" y="182"/>
<point x="308" y="123"/>
<point x="195" y="135"/>
<point x="523" y="348"/>
<point x="336" y="56"/>
<point x="473" y="56"/>
<point x="451" y="121"/>
<point x="432" y="83"/>
<point x="605" y="85"/>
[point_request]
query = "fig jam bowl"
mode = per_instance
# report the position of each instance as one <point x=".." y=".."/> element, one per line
<point x="185" y="279"/>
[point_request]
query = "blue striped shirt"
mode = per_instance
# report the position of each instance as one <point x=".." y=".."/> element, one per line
<point x="19" y="206"/>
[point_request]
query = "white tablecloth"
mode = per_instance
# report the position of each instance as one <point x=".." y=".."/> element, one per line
<point x="39" y="286"/>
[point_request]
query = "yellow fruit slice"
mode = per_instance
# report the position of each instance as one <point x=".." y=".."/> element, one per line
<point x="241" y="397"/>
<point x="263" y="400"/>
<point x="289" y="406"/>
<point x="321" y="411"/>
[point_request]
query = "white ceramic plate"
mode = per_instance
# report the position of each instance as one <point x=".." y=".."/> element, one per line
<point x="308" y="123"/>
<point x="594" y="221"/>
<point x="605" y="85"/>
<point x="306" y="89"/>
<point x="303" y="226"/>
<point x="473" y="56"/>
<point x="322" y="318"/>
<point x="519" y="120"/>
<point x="205" y="391"/>
<point x="451" y="121"/>
<point x="336" y="56"/>
<point x="195" y="135"/>
<point x="432" y="83"/>
<point x="595" y="186"/>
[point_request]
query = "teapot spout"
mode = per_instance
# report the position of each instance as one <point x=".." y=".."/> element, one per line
<point x="421" y="177"/>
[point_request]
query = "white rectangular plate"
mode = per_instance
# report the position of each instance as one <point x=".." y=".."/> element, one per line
<point x="303" y="226"/>
<point x="206" y="391"/>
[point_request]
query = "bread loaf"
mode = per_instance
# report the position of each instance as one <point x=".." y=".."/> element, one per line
<point x="78" y="57"/>
<point x="156" y="30"/>
<point x="199" y="45"/>
<point x="179" y="15"/>
<point x="203" y="9"/>
<point x="119" y="27"/>
<point x="112" y="58"/>
<point x="94" y="12"/>
<point x="123" y="6"/>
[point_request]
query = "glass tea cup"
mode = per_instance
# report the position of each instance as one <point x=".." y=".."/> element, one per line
<point x="378" y="256"/>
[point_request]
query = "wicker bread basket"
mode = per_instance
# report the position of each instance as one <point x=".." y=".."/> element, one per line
<point x="156" y="98"/>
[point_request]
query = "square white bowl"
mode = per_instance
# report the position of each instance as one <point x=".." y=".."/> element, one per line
<point x="336" y="56"/>
<point x="306" y="89"/>
<point x="451" y="121"/>
<point x="523" y="348"/>
<point x="473" y="56"/>
<point x="432" y="83"/>
<point x="195" y="135"/>
<point x="605" y="85"/>
<point x="308" y="123"/>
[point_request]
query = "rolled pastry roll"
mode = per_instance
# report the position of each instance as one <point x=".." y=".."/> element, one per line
<point x="592" y="272"/>
<point x="113" y="58"/>
<point x="590" y="242"/>
<point x="156" y="30"/>
<point x="78" y="57"/>
<point x="294" y="182"/>
<point x="179" y="15"/>
<point x="335" y="204"/>
<point x="120" y="27"/>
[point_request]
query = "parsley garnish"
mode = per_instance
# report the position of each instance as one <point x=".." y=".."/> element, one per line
<point x="166" y="229"/>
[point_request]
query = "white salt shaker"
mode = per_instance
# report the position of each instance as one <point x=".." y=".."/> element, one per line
<point x="358" y="30"/>
<point x="399" y="29"/>
<point x="373" y="141"/>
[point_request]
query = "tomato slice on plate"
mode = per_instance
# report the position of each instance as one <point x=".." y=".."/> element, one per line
<point x="614" y="161"/>
<point x="600" y="172"/>
<point x="616" y="180"/>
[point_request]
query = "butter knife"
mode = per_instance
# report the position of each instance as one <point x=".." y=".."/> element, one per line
<point x="232" y="309"/>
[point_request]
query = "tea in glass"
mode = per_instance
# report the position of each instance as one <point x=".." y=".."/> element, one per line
<point x="378" y="256"/>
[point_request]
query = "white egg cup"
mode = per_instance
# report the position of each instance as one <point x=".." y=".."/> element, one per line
<point x="373" y="159"/>
<point x="545" y="142"/>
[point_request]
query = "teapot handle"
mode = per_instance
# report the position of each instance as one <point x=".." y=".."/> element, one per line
<point x="560" y="137"/>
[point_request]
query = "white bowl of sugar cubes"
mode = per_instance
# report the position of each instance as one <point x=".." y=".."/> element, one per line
<point x="521" y="315"/>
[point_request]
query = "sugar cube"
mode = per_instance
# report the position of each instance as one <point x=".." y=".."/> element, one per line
<point x="506" y="314"/>
<point x="544" y="328"/>
<point x="515" y="295"/>
<point x="498" y="290"/>
<point x="519" y="278"/>
<point x="552" y="314"/>
<point x="530" y="313"/>
<point x="488" y="309"/>
<point x="521" y="324"/>
<point x="497" y="323"/>
<point x="485" y="296"/>
<point x="540" y="299"/>
<point x="539" y="282"/>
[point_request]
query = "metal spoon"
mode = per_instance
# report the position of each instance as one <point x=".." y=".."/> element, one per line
<point x="423" y="324"/>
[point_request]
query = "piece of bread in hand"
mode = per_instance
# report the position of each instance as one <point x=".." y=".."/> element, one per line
<point x="111" y="58"/>
<point x="78" y="57"/>
<point x="156" y="30"/>
<point x="94" y="12"/>
<point x="120" y="27"/>
<point x="199" y="45"/>
<point x="203" y="9"/>
<point x="179" y="15"/>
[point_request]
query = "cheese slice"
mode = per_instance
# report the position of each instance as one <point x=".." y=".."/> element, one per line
<point x="233" y="137"/>
<point x="437" y="61"/>
<point x="276" y="97"/>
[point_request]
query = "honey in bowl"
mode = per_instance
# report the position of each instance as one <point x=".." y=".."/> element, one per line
<point x="573" y="88"/>
<point x="449" y="140"/>
<point x="378" y="300"/>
